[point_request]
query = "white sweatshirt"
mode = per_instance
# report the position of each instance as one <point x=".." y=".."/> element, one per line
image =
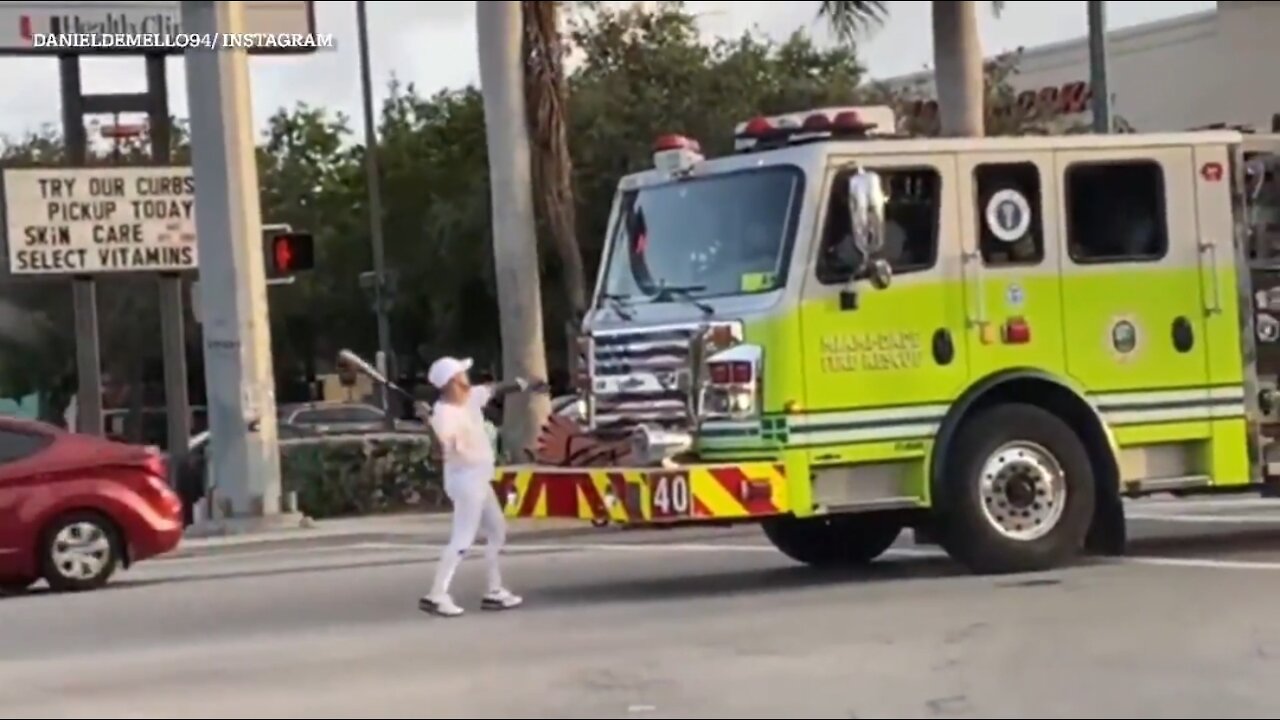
<point x="465" y="443"/>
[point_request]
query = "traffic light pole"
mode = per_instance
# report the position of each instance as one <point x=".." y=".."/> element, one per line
<point x="380" y="299"/>
<point x="244" y="456"/>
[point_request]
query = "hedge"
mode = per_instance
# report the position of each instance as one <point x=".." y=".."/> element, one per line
<point x="360" y="475"/>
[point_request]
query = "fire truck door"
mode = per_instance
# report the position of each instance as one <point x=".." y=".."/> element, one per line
<point x="1134" y="306"/>
<point x="1013" y="293"/>
<point x="880" y="366"/>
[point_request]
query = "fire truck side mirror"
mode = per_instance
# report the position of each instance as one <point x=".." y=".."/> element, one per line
<point x="866" y="213"/>
<point x="867" y="201"/>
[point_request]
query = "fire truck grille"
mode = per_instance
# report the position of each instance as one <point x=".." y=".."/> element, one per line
<point x="643" y="376"/>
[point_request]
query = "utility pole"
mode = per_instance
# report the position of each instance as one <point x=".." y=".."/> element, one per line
<point x="1098" y="66"/>
<point x="244" y="456"/>
<point x="500" y="35"/>
<point x="380" y="299"/>
<point x="173" y="335"/>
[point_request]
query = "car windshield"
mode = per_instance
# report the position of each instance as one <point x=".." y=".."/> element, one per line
<point x="719" y="235"/>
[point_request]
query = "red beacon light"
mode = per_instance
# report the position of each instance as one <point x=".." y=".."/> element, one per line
<point x="758" y="127"/>
<point x="818" y="122"/>
<point x="676" y="153"/>
<point x="851" y="121"/>
<point x="675" y="142"/>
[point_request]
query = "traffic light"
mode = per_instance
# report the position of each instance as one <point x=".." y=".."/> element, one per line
<point x="288" y="252"/>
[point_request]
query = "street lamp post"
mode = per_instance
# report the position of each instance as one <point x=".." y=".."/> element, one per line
<point x="375" y="200"/>
<point x="1098" y="66"/>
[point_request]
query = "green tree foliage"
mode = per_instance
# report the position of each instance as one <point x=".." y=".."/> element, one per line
<point x="634" y="75"/>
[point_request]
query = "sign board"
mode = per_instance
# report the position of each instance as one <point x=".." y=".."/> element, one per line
<point x="21" y="22"/>
<point x="90" y="221"/>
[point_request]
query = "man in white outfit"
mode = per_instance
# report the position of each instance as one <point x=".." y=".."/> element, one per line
<point x="458" y="421"/>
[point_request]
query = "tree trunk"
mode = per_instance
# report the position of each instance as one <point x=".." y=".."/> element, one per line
<point x="515" y="250"/>
<point x="957" y="63"/>
<point x="548" y="98"/>
<point x="547" y="94"/>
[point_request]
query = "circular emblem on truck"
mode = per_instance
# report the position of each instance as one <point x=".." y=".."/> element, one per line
<point x="1008" y="215"/>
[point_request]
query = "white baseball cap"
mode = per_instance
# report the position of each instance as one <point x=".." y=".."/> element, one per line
<point x="446" y="369"/>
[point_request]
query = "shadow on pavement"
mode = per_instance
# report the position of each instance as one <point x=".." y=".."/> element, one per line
<point x="743" y="582"/>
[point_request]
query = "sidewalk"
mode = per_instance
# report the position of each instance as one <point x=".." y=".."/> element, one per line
<point x="426" y="528"/>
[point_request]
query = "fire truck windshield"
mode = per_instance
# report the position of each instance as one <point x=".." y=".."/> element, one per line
<point x="711" y="236"/>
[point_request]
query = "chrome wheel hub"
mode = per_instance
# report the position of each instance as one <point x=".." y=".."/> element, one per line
<point x="1024" y="490"/>
<point x="81" y="551"/>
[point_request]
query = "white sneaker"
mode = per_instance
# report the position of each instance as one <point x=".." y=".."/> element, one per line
<point x="444" y="606"/>
<point x="501" y="600"/>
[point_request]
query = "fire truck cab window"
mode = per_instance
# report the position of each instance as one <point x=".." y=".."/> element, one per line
<point x="1010" y="231"/>
<point x="913" y="205"/>
<point x="1116" y="212"/>
<point x="711" y="236"/>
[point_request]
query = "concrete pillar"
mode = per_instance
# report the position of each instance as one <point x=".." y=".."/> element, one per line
<point x="244" y="461"/>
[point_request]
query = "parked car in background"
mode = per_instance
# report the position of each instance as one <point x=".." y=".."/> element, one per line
<point x="340" y="418"/>
<point x="75" y="508"/>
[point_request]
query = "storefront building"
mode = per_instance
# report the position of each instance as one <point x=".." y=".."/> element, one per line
<point x="1219" y="66"/>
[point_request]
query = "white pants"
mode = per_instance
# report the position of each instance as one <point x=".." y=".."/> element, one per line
<point x="475" y="508"/>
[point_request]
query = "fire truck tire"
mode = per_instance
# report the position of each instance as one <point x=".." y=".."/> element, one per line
<point x="1020" y="491"/>
<point x="833" y="540"/>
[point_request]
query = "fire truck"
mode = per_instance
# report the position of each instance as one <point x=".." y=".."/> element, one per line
<point x="839" y="333"/>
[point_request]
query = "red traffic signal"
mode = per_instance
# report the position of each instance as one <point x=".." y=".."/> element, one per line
<point x="289" y="253"/>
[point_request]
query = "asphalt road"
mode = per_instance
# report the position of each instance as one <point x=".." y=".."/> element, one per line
<point x="670" y="625"/>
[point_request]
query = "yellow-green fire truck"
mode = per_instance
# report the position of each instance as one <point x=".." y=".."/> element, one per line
<point x="840" y="334"/>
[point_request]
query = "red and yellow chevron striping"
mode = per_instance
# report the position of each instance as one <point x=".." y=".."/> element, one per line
<point x="647" y="495"/>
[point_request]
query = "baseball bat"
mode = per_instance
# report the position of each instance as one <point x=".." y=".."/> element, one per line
<point x="357" y="363"/>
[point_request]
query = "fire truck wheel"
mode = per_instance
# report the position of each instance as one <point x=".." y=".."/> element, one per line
<point x="834" y="539"/>
<point x="1022" y="492"/>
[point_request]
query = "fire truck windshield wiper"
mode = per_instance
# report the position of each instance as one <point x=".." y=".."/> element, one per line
<point x="618" y="303"/>
<point x="685" y="292"/>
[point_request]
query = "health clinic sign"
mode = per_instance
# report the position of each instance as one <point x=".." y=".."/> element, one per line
<point x="93" y="221"/>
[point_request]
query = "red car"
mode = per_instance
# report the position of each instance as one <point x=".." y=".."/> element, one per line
<point x="74" y="508"/>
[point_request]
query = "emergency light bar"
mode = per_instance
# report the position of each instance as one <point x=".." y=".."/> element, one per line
<point x="852" y="121"/>
<point x="676" y="154"/>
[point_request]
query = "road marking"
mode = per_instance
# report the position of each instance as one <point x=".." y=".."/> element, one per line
<point x="518" y="548"/>
<point x="1191" y="503"/>
<point x="1208" y="519"/>
<point x="277" y="552"/>
<point x="1203" y="563"/>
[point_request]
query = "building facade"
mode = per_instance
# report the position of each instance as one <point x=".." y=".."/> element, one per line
<point x="1219" y="66"/>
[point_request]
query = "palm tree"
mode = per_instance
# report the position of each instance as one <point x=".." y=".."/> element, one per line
<point x="547" y="93"/>
<point x="499" y="31"/>
<point x="957" y="54"/>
